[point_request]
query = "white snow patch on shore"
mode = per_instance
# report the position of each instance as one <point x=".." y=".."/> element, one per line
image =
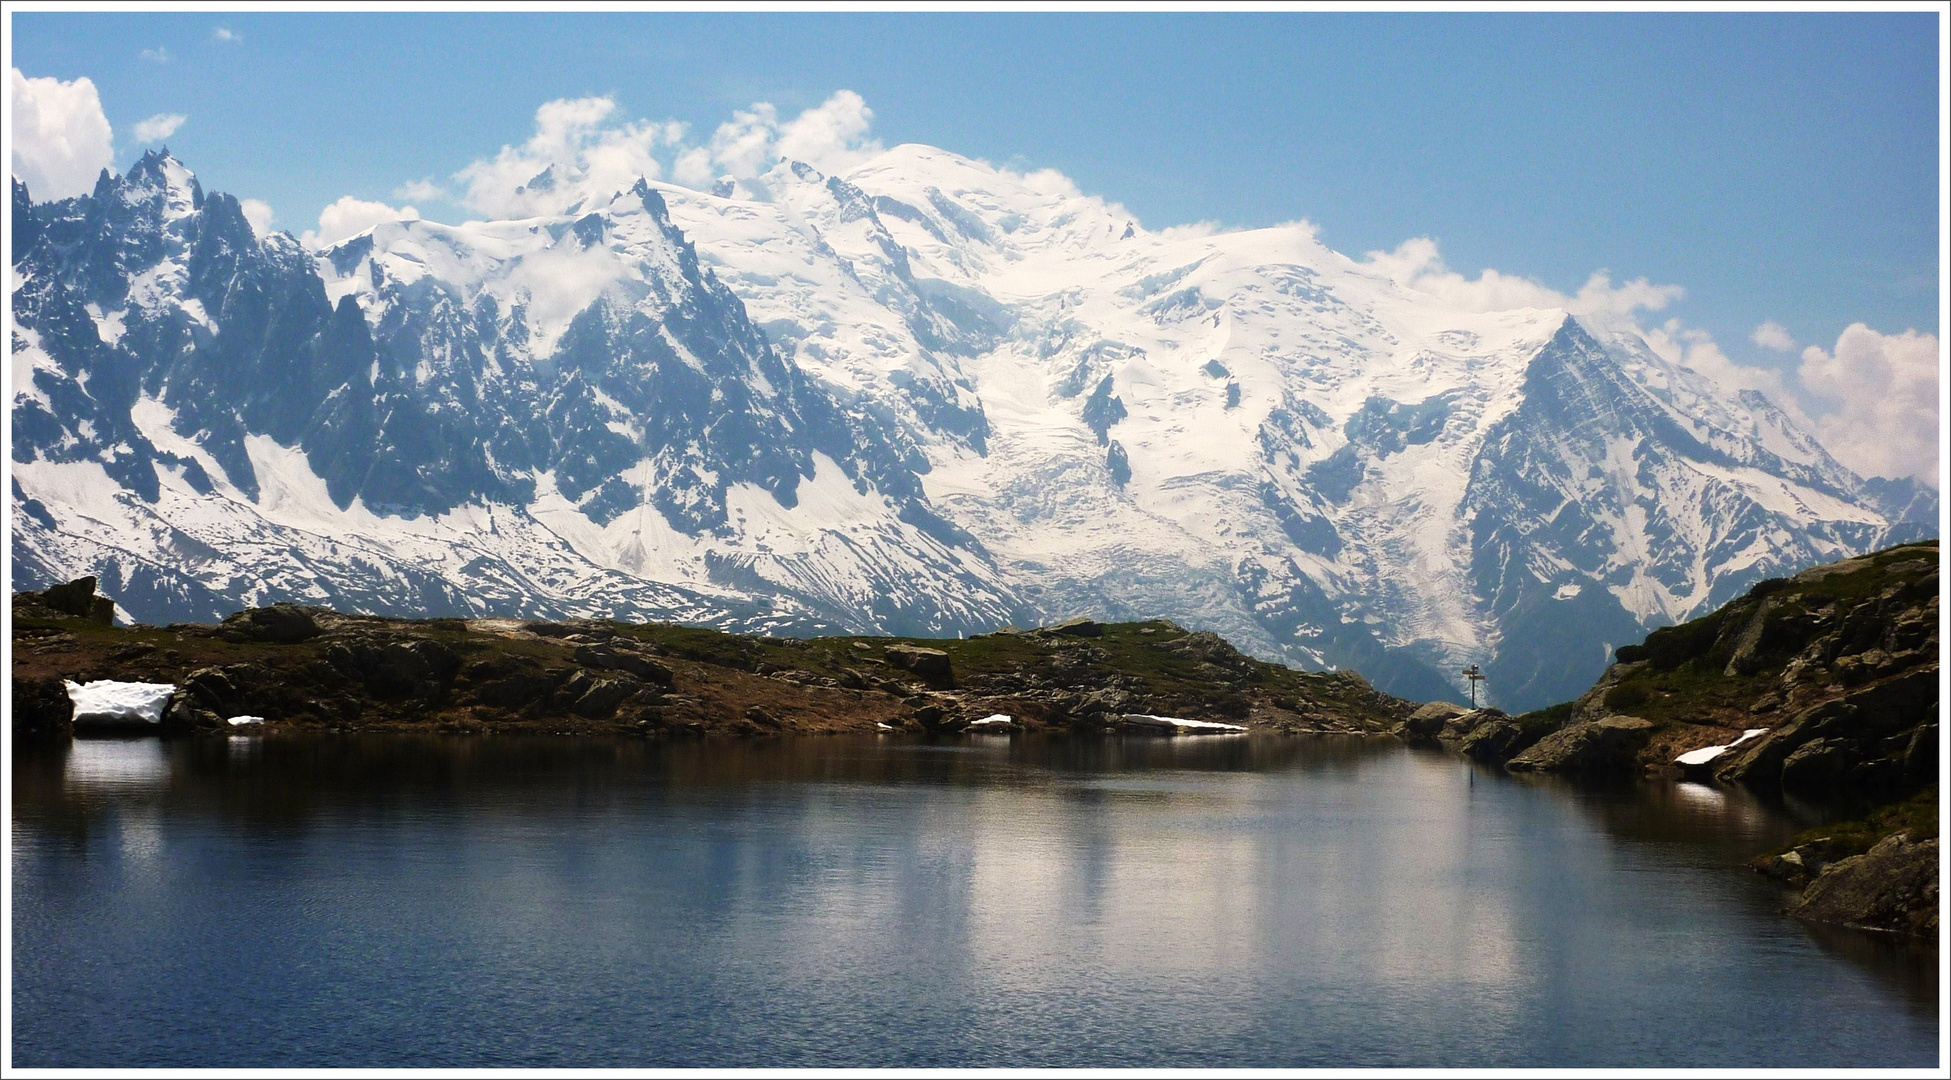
<point x="106" y="701"/>
<point x="1179" y="725"/>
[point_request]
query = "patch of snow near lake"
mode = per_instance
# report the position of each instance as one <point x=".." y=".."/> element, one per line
<point x="1179" y="726"/>
<point x="108" y="701"/>
<point x="991" y="722"/>
<point x="1708" y="753"/>
<point x="242" y="721"/>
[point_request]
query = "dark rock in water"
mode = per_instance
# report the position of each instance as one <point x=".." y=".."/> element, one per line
<point x="1595" y="746"/>
<point x="927" y="663"/>
<point x="41" y="709"/>
<point x="186" y="714"/>
<point x="1494" y="742"/>
<point x="282" y="624"/>
<point x="1891" y="887"/>
<point x="78" y="598"/>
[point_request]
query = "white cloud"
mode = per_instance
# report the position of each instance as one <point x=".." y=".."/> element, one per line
<point x="62" y="140"/>
<point x="831" y="137"/>
<point x="158" y="127"/>
<point x="420" y="190"/>
<point x="582" y="149"/>
<point x="157" y="55"/>
<point x="1881" y="394"/>
<point x="1773" y="335"/>
<point x="1418" y="265"/>
<point x="258" y="213"/>
<point x="742" y="146"/>
<point x="693" y="168"/>
<point x="350" y="217"/>
<point x="225" y="33"/>
<point x="576" y="152"/>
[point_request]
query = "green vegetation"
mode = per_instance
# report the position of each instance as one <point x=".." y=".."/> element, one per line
<point x="1840" y="840"/>
<point x="1541" y="722"/>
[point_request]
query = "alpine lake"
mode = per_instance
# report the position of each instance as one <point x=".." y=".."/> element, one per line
<point x="987" y="900"/>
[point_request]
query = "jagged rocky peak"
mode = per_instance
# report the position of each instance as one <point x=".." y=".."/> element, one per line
<point x="158" y="180"/>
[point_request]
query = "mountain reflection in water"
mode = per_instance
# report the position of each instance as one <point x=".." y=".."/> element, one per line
<point x="1240" y="901"/>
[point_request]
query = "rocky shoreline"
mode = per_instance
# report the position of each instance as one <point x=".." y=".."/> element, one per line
<point x="1822" y="688"/>
<point x="313" y="669"/>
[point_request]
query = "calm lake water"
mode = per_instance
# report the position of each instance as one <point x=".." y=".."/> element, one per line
<point x="1230" y="901"/>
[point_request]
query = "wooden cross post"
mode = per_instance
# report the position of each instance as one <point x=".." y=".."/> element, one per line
<point x="1475" y="675"/>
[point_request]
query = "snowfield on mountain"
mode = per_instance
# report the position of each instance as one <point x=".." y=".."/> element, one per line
<point x="927" y="397"/>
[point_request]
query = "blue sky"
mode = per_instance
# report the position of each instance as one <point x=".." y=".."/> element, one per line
<point x="1777" y="167"/>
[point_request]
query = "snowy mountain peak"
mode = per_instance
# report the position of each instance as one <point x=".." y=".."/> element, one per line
<point x="925" y="394"/>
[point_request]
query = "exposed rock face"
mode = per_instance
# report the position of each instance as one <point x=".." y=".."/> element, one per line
<point x="1839" y="662"/>
<point x="1892" y="887"/>
<point x="1495" y="742"/>
<point x="1608" y="746"/>
<point x="1878" y="740"/>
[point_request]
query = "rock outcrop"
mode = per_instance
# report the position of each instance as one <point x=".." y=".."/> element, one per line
<point x="1892" y="887"/>
<point x="1607" y="746"/>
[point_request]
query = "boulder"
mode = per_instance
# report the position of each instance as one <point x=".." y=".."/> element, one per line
<point x="927" y="663"/>
<point x="1891" y="887"/>
<point x="210" y="688"/>
<point x="282" y="624"/>
<point x="1427" y="722"/>
<point x="932" y="717"/>
<point x="78" y="598"/>
<point x="1594" y="746"/>
<point x="1079" y="627"/>
<point x="1460" y="726"/>
<point x="1494" y="742"/>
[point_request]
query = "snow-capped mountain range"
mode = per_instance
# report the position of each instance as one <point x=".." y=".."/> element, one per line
<point x="928" y="396"/>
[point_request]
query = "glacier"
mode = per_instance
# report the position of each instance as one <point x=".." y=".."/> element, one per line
<point x="928" y="397"/>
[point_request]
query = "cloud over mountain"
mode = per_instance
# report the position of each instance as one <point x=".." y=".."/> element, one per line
<point x="62" y="139"/>
<point x="1881" y="397"/>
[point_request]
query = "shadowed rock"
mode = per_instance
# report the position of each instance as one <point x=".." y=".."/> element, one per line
<point x="1596" y="746"/>
<point x="1891" y="887"/>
